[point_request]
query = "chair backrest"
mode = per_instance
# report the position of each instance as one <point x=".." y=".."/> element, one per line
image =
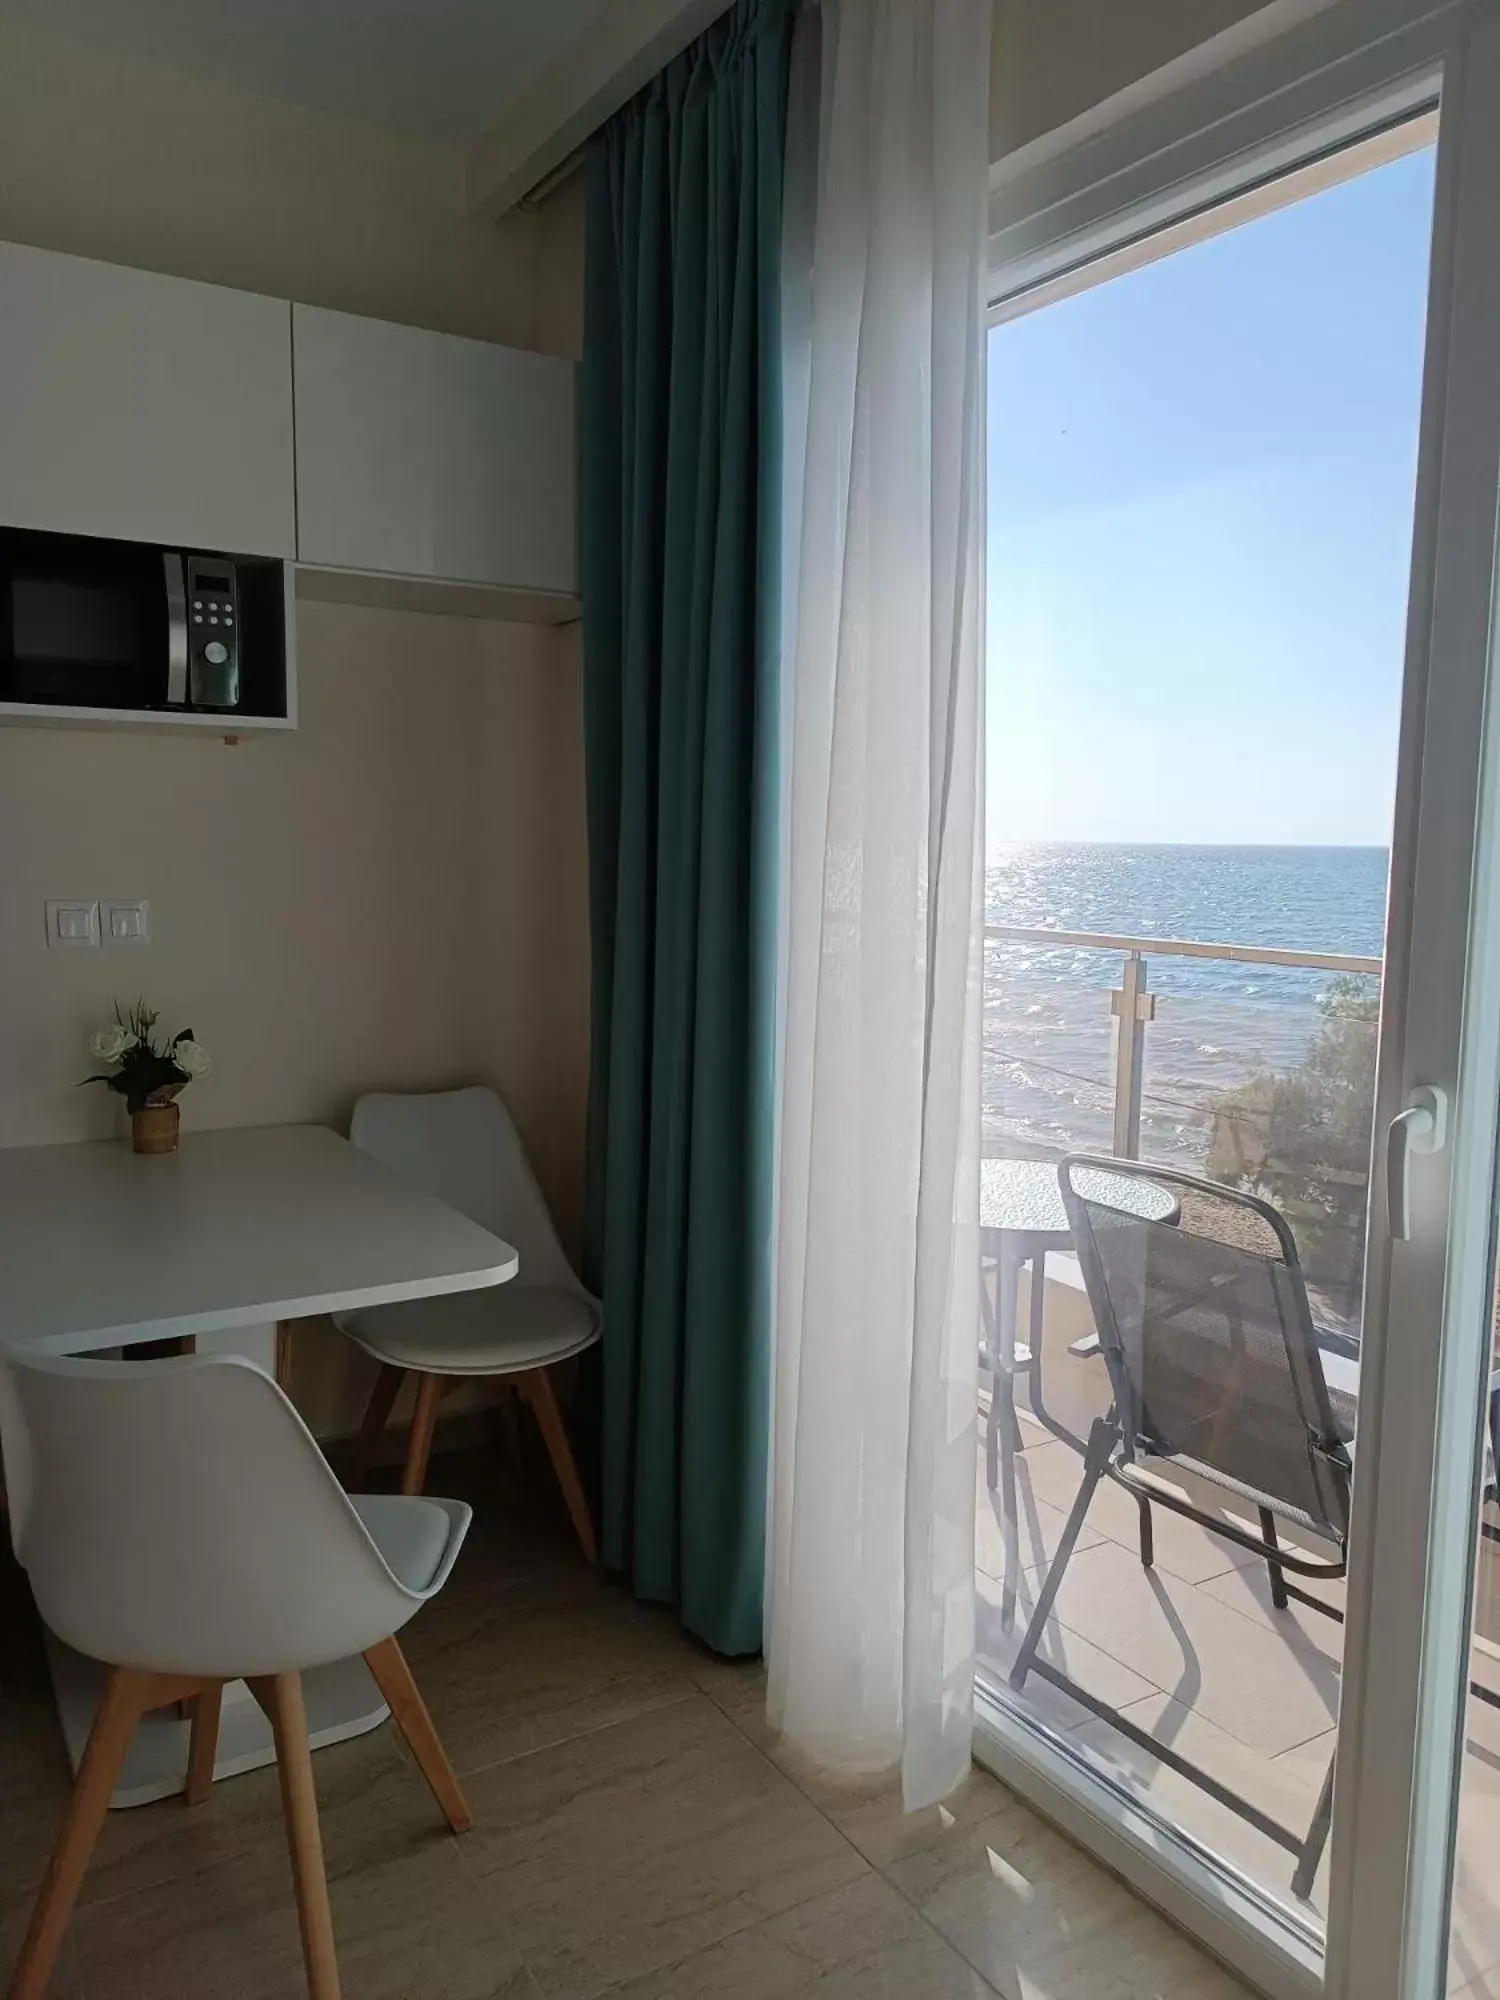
<point x="462" y="1146"/>
<point x="1203" y="1319"/>
<point x="178" y="1516"/>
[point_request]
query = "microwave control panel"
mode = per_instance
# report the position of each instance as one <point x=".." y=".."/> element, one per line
<point x="213" y="633"/>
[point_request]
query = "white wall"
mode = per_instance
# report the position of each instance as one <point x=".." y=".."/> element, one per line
<point x="1056" y="61"/>
<point x="534" y="970"/>
<point x="320" y="899"/>
<point x="559" y="318"/>
<point x="107" y="156"/>
<point x="391" y="896"/>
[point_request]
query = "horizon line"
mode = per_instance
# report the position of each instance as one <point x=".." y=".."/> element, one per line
<point x="1290" y="846"/>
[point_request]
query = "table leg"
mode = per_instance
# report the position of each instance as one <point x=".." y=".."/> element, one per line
<point x="1036" y="1388"/>
<point x="1007" y="1318"/>
<point x="1004" y="1422"/>
<point x="1035" y="1321"/>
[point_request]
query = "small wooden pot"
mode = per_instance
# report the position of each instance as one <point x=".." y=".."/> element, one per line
<point x="153" y="1129"/>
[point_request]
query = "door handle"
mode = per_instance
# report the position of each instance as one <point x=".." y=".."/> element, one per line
<point x="177" y="631"/>
<point x="1421" y="1128"/>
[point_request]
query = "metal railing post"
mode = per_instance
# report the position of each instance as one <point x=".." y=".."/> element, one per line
<point x="1132" y="1007"/>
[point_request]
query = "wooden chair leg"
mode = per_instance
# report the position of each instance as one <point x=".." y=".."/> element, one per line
<point x="419" y="1447"/>
<point x="510" y="1421"/>
<point x="203" y="1745"/>
<point x="280" y="1695"/>
<point x="377" y="1415"/>
<point x="387" y="1663"/>
<point x="536" y="1386"/>
<point x="284" y="1355"/>
<point x="124" y="1701"/>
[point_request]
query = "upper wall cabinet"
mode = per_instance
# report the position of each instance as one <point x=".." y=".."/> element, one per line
<point x="425" y="455"/>
<point x="150" y="408"/>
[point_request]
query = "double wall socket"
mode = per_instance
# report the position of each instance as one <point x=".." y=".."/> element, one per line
<point x="116" y="922"/>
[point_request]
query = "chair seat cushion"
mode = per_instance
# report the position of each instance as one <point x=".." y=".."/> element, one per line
<point x="498" y="1330"/>
<point x="414" y="1535"/>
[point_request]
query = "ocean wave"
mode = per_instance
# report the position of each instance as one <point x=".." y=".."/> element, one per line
<point x="1217" y="1023"/>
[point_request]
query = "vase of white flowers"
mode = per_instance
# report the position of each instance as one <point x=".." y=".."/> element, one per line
<point x="148" y="1074"/>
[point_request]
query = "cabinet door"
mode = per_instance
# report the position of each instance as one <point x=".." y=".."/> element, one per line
<point x="421" y="454"/>
<point x="149" y="408"/>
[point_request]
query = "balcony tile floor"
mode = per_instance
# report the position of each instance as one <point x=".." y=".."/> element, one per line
<point x="1194" y="1652"/>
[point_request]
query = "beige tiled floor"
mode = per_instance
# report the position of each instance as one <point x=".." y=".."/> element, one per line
<point x="1194" y="1652"/>
<point x="638" y="1833"/>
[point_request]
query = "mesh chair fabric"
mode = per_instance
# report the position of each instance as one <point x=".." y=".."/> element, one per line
<point x="1205" y="1327"/>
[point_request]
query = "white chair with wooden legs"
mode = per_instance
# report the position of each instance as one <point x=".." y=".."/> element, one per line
<point x="462" y="1147"/>
<point x="178" y="1523"/>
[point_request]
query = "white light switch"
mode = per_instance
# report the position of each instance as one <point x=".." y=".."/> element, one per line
<point x="127" y="923"/>
<point x="73" y="923"/>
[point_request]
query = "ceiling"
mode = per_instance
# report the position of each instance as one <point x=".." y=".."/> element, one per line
<point x="439" y="70"/>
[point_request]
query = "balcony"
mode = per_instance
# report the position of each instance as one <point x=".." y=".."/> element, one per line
<point x="1192" y="1652"/>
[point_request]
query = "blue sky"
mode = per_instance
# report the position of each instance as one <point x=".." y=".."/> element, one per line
<point x="1200" y="497"/>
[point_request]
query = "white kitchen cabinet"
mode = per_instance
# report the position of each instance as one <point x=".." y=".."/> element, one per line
<point x="144" y="407"/>
<point x="426" y="456"/>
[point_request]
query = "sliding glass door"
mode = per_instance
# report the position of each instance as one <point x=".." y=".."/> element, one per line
<point x="1202" y="486"/>
<point x="1238" y="1470"/>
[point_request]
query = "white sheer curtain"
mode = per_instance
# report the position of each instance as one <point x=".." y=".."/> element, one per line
<point x="871" y="1585"/>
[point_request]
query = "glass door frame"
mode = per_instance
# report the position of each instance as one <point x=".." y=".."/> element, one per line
<point x="1352" y="72"/>
<point x="1413" y="1549"/>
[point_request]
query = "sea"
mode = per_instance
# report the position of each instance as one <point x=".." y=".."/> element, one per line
<point x="1048" y="1044"/>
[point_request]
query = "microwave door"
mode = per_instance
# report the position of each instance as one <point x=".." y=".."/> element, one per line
<point x="84" y="622"/>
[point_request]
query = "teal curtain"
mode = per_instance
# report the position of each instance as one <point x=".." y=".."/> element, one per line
<point x="680" y="400"/>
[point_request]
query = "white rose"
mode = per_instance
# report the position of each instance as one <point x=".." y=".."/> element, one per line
<point x="191" y="1057"/>
<point x="111" y="1043"/>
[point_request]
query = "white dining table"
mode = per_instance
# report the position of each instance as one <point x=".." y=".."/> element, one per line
<point x="103" y="1249"/>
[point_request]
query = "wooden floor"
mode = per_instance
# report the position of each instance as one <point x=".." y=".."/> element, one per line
<point x="1194" y="1653"/>
<point x="638" y="1833"/>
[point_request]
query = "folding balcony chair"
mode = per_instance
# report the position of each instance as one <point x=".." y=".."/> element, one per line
<point x="1215" y="1370"/>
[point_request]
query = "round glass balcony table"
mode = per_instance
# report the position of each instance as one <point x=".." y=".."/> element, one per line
<point x="1022" y="1218"/>
<point x="1023" y="1197"/>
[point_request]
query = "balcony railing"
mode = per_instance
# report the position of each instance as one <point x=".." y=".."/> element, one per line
<point x="1133" y="1005"/>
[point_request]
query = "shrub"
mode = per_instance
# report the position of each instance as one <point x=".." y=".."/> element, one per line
<point x="1301" y="1139"/>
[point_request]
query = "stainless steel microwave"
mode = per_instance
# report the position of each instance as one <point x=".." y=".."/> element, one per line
<point x="90" y="623"/>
